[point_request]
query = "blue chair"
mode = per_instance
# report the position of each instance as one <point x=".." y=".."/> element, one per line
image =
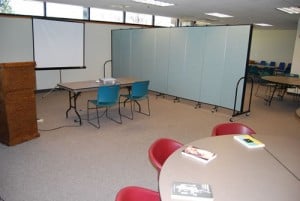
<point x="287" y="70"/>
<point x="139" y="92"/>
<point x="107" y="97"/>
<point x="281" y="67"/>
<point x="262" y="62"/>
<point x="272" y="63"/>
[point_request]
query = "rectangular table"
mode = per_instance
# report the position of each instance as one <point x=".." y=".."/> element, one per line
<point x="76" y="88"/>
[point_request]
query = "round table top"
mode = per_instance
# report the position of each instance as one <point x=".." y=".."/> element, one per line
<point x="239" y="173"/>
<point x="283" y="80"/>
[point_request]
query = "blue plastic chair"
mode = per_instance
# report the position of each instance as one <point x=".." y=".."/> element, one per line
<point x="272" y="63"/>
<point x="107" y="97"/>
<point x="281" y="66"/>
<point x="139" y="92"/>
<point x="287" y="70"/>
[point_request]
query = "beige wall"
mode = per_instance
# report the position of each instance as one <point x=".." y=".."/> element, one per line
<point x="296" y="57"/>
<point x="273" y="45"/>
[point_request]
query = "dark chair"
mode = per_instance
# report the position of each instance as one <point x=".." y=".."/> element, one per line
<point x="281" y="67"/>
<point x="135" y="193"/>
<point x="139" y="91"/>
<point x="231" y="128"/>
<point x="262" y="83"/>
<point x="161" y="149"/>
<point x="288" y="68"/>
<point x="107" y="97"/>
<point x="262" y="62"/>
<point x="272" y="63"/>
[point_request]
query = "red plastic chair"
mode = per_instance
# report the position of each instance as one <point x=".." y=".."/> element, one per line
<point x="161" y="149"/>
<point x="231" y="128"/>
<point x="135" y="193"/>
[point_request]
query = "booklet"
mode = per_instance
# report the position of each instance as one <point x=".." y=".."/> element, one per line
<point x="249" y="141"/>
<point x="199" y="154"/>
<point x="191" y="191"/>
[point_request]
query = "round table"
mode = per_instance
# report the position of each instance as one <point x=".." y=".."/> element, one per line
<point x="239" y="173"/>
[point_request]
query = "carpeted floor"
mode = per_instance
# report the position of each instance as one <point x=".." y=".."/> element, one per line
<point x="81" y="163"/>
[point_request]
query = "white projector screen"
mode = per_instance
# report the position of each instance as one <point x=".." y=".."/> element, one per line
<point x="58" y="44"/>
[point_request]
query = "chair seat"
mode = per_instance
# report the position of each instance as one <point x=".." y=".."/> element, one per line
<point x="139" y="92"/>
<point x="102" y="104"/>
<point x="107" y="97"/>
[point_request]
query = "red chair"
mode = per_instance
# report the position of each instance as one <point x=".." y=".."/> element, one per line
<point x="135" y="193"/>
<point x="231" y="128"/>
<point x="161" y="149"/>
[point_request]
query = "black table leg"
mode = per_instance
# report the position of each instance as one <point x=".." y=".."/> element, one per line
<point x="72" y="104"/>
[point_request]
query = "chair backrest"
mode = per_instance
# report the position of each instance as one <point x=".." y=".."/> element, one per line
<point x="262" y="62"/>
<point x="272" y="63"/>
<point x="108" y="93"/>
<point x="281" y="66"/>
<point x="135" y="193"/>
<point x="161" y="149"/>
<point x="231" y="128"/>
<point x="287" y="70"/>
<point x="139" y="89"/>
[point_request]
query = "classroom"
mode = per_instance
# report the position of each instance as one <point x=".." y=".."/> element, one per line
<point x="198" y="77"/>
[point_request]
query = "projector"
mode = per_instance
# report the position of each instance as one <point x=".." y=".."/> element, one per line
<point x="109" y="80"/>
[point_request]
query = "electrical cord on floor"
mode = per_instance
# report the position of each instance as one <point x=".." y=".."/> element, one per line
<point x="66" y="126"/>
<point x="56" y="128"/>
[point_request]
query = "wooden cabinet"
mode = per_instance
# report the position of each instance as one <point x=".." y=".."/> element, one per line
<point x="18" y="120"/>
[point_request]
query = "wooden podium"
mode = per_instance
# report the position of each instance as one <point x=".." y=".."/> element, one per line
<point x="18" y="120"/>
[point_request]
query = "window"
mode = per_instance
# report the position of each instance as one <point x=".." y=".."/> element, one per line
<point x="106" y="15"/>
<point x="66" y="11"/>
<point x="164" y="21"/>
<point x="138" y="18"/>
<point x="22" y="7"/>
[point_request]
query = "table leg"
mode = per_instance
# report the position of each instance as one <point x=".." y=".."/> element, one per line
<point x="272" y="95"/>
<point x="72" y="104"/>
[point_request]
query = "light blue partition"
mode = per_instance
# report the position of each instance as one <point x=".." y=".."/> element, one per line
<point x="186" y="61"/>
<point x="213" y="65"/>
<point x="235" y="65"/>
<point x="159" y="81"/>
<point x="177" y="59"/>
<point x="121" y="53"/>
<point x="143" y="53"/>
<point x="202" y="64"/>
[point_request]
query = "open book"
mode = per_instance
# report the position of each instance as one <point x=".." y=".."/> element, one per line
<point x="199" y="154"/>
<point x="249" y="141"/>
<point x="191" y="191"/>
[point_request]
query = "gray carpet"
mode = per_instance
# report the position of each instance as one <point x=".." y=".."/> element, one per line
<point x="71" y="163"/>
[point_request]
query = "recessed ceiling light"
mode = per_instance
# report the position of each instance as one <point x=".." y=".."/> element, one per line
<point x="263" y="24"/>
<point x="290" y="10"/>
<point x="154" y="2"/>
<point x="218" y="15"/>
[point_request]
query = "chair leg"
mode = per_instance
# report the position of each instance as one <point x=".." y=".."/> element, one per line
<point x="88" y="116"/>
<point x="109" y="117"/>
<point x="140" y="110"/>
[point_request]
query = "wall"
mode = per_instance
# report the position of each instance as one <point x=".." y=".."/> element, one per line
<point x="17" y="45"/>
<point x="273" y="45"/>
<point x="296" y="58"/>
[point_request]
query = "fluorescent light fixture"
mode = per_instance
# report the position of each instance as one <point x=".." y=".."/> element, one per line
<point x="218" y="15"/>
<point x="154" y="2"/>
<point x="263" y="24"/>
<point x="290" y="10"/>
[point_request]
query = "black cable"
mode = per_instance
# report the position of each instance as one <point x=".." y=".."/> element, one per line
<point x="56" y="128"/>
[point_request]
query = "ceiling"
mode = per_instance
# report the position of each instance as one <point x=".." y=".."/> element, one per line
<point x="244" y="11"/>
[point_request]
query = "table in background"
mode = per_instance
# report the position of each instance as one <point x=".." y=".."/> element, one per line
<point x="76" y="88"/>
<point x="239" y="173"/>
<point x="281" y="81"/>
